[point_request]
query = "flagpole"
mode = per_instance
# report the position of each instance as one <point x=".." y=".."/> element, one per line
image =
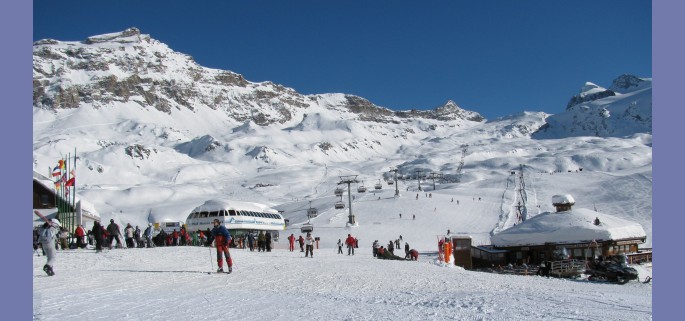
<point x="73" y="200"/>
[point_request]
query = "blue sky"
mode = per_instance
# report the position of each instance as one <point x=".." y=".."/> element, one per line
<point x="493" y="57"/>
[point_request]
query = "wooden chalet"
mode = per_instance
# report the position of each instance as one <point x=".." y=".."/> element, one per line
<point x="582" y="233"/>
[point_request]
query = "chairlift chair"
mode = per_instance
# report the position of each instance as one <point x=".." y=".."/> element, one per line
<point x="338" y="191"/>
<point x="378" y="185"/>
<point x="361" y="188"/>
<point x="307" y="227"/>
<point x="339" y="205"/>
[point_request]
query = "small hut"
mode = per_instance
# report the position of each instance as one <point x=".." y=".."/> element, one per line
<point x="569" y="229"/>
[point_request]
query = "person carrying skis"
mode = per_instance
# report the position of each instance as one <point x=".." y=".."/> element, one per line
<point x="350" y="241"/>
<point x="47" y="238"/>
<point x="221" y="239"/>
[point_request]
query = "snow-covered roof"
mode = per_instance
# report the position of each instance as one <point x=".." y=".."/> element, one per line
<point x="563" y="199"/>
<point x="221" y="204"/>
<point x="570" y="226"/>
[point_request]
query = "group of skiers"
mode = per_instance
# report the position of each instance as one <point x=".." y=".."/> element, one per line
<point x="351" y="243"/>
<point x="389" y="253"/>
<point x="306" y="244"/>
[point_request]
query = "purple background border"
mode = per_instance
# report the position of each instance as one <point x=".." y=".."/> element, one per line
<point x="16" y="25"/>
<point x="16" y="30"/>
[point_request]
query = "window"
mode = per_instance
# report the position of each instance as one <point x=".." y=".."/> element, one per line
<point x="577" y="252"/>
<point x="44" y="199"/>
<point x="231" y="212"/>
<point x="462" y="244"/>
<point x="213" y="214"/>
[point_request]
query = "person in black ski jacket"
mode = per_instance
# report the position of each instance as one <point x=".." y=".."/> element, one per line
<point x="97" y="236"/>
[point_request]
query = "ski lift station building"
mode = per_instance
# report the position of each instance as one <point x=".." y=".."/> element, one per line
<point x="583" y="233"/>
<point x="238" y="217"/>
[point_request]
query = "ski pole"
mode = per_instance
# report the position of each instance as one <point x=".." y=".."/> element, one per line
<point x="210" y="260"/>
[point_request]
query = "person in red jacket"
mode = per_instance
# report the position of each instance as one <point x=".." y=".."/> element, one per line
<point x="222" y="239"/>
<point x="301" y="241"/>
<point x="291" y="239"/>
<point x="80" y="233"/>
<point x="350" y="241"/>
<point x="414" y="254"/>
<point x="174" y="236"/>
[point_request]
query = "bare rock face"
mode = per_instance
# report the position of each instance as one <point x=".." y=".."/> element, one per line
<point x="129" y="66"/>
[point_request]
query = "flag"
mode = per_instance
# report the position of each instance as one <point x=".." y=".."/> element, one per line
<point x="70" y="182"/>
<point x="58" y="185"/>
<point x="62" y="164"/>
<point x="57" y="171"/>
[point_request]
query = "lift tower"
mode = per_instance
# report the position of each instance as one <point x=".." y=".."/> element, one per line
<point x="397" y="191"/>
<point x="349" y="179"/>
<point x="418" y="176"/>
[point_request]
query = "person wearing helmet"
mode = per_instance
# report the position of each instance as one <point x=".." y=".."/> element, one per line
<point x="222" y="239"/>
<point x="48" y="237"/>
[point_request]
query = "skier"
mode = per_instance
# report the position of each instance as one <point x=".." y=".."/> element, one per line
<point x="375" y="246"/>
<point x="310" y="245"/>
<point x="291" y="239"/>
<point x="221" y="240"/>
<point x="148" y="235"/>
<point x="128" y="232"/>
<point x="98" y="236"/>
<point x="301" y="241"/>
<point x="47" y="238"/>
<point x="80" y="233"/>
<point x="414" y="254"/>
<point x="250" y="241"/>
<point x="350" y="241"/>
<point x="113" y="232"/>
<point x="406" y="250"/>
<point x="340" y="246"/>
<point x="267" y="241"/>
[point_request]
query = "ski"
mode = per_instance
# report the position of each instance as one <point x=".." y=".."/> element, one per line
<point x="41" y="216"/>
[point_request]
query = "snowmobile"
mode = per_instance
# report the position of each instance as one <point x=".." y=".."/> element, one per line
<point x="612" y="269"/>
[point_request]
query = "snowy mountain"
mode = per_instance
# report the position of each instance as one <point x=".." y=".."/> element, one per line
<point x="156" y="134"/>
<point x="623" y="110"/>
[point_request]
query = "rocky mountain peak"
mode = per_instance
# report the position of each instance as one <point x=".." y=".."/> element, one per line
<point x="130" y="35"/>
<point x="589" y="92"/>
<point x="626" y="82"/>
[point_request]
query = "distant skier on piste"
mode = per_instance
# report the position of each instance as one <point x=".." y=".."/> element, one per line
<point x="221" y="240"/>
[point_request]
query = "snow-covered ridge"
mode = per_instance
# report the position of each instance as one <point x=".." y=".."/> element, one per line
<point x="624" y="110"/>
